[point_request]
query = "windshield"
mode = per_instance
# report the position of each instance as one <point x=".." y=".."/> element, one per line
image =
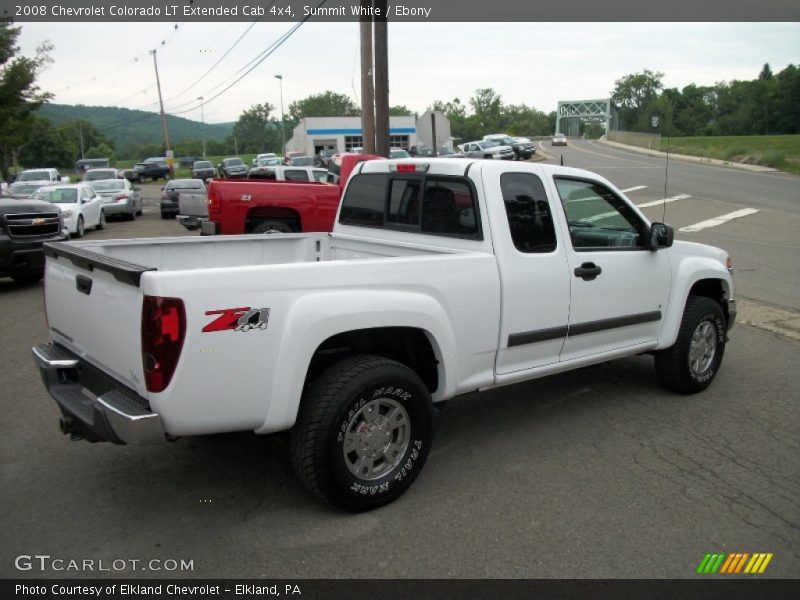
<point x="203" y="164"/>
<point x="23" y="189"/>
<point x="269" y="161"/>
<point x="34" y="176"/>
<point x="185" y="184"/>
<point x="233" y="162"/>
<point x="108" y="185"/>
<point x="58" y="195"/>
<point x="301" y="161"/>
<point x="398" y="153"/>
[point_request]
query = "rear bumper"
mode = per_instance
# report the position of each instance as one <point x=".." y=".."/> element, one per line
<point x="191" y="222"/>
<point x="209" y="228"/>
<point x="94" y="406"/>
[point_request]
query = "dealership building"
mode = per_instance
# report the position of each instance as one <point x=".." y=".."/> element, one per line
<point x="314" y="134"/>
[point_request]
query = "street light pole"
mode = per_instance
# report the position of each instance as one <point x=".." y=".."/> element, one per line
<point x="283" y="127"/>
<point x="203" y="121"/>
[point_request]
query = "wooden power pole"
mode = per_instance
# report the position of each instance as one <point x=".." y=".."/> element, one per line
<point x="381" y="82"/>
<point x="367" y="88"/>
<point x="161" y="103"/>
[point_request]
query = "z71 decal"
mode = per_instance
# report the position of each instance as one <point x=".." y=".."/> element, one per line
<point x="238" y="319"/>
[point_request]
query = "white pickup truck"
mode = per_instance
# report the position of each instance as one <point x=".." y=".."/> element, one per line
<point x="441" y="277"/>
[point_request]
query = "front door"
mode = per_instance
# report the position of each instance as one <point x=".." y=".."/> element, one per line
<point x="619" y="286"/>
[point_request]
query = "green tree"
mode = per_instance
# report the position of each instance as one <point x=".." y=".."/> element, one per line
<point x="257" y="131"/>
<point x="487" y="106"/>
<point x="400" y="111"/>
<point x="326" y="104"/>
<point x="47" y="146"/>
<point x="19" y="94"/>
<point x="633" y="93"/>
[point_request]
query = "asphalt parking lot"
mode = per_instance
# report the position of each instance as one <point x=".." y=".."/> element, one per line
<point x="594" y="473"/>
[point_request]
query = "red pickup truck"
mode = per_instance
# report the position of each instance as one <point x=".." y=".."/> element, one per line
<point x="256" y="206"/>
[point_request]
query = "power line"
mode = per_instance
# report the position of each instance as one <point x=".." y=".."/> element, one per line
<point x="216" y="64"/>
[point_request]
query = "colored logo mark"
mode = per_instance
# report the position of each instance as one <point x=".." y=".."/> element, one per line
<point x="734" y="563"/>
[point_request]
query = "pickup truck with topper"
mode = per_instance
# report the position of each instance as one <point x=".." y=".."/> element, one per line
<point x="441" y="277"/>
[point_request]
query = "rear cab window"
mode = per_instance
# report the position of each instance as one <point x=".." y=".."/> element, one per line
<point x="413" y="202"/>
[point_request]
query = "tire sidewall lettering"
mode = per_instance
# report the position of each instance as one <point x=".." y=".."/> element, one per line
<point x="407" y="464"/>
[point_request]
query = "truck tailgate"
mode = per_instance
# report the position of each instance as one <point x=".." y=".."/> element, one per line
<point x="94" y="306"/>
<point x="192" y="204"/>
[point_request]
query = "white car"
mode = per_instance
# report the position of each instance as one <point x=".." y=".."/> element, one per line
<point x="487" y="149"/>
<point x="258" y="157"/>
<point x="80" y="206"/>
<point x="51" y="175"/>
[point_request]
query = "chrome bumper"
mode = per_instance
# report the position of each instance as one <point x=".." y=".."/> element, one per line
<point x="109" y="412"/>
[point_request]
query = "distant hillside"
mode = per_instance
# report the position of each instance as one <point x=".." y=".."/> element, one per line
<point x="130" y="128"/>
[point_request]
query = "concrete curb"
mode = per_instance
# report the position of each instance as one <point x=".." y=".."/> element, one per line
<point x="694" y="159"/>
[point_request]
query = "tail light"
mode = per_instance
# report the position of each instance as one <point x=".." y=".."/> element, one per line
<point x="121" y="197"/>
<point x="213" y="202"/>
<point x="409" y="167"/>
<point x="163" y="330"/>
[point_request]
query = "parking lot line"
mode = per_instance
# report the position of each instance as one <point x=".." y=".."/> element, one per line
<point x="718" y="220"/>
<point x="664" y="201"/>
<point x="633" y="189"/>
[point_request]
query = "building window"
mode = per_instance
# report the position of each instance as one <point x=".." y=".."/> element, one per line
<point x="353" y="141"/>
<point x="399" y="141"/>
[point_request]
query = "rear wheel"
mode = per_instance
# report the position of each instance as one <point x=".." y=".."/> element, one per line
<point x="363" y="433"/>
<point x="273" y="227"/>
<point x="691" y="364"/>
<point x="142" y="178"/>
<point x="101" y="224"/>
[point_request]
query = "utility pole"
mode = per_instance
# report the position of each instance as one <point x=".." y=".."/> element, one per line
<point x="381" y="82"/>
<point x="203" y="121"/>
<point x="161" y="103"/>
<point x="283" y="127"/>
<point x="367" y="87"/>
<point x="80" y="128"/>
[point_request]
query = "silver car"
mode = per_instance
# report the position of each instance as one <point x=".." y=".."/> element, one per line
<point x="120" y="198"/>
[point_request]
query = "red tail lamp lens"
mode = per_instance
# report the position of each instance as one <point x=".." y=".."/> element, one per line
<point x="163" y="330"/>
<point x="213" y="202"/>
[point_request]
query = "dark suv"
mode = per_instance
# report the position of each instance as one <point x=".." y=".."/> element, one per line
<point x="25" y="225"/>
<point x="203" y="169"/>
<point x="150" y="168"/>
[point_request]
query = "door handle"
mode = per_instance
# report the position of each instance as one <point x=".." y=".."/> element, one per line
<point x="588" y="271"/>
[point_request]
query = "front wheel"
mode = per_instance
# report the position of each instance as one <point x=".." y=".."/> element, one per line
<point x="363" y="433"/>
<point x="691" y="364"/>
<point x="79" y="228"/>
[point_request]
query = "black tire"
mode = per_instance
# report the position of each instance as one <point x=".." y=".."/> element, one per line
<point x="142" y="178"/>
<point x="140" y="212"/>
<point x="102" y="223"/>
<point x="27" y="278"/>
<point x="79" y="229"/>
<point x="703" y="330"/>
<point x="333" y="405"/>
<point x="164" y="215"/>
<point x="273" y="227"/>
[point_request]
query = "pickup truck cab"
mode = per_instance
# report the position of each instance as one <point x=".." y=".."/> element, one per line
<point x="280" y="173"/>
<point x="441" y="277"/>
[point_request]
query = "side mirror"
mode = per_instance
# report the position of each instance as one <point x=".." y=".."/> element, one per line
<point x="661" y="236"/>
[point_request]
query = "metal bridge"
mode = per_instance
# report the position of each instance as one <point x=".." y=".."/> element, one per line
<point x="573" y="113"/>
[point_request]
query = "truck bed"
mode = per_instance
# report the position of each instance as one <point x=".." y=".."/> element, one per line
<point x="187" y="254"/>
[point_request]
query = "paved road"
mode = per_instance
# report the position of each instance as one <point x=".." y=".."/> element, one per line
<point x="597" y="473"/>
<point x="765" y="245"/>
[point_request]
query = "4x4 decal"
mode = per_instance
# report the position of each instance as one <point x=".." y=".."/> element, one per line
<point x="238" y="319"/>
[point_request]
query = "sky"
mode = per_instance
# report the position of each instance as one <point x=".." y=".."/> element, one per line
<point x="538" y="64"/>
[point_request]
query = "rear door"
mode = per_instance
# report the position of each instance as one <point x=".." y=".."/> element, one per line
<point x="532" y="258"/>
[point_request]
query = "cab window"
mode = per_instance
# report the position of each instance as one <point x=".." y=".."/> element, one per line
<point x="597" y="217"/>
<point x="528" y="213"/>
